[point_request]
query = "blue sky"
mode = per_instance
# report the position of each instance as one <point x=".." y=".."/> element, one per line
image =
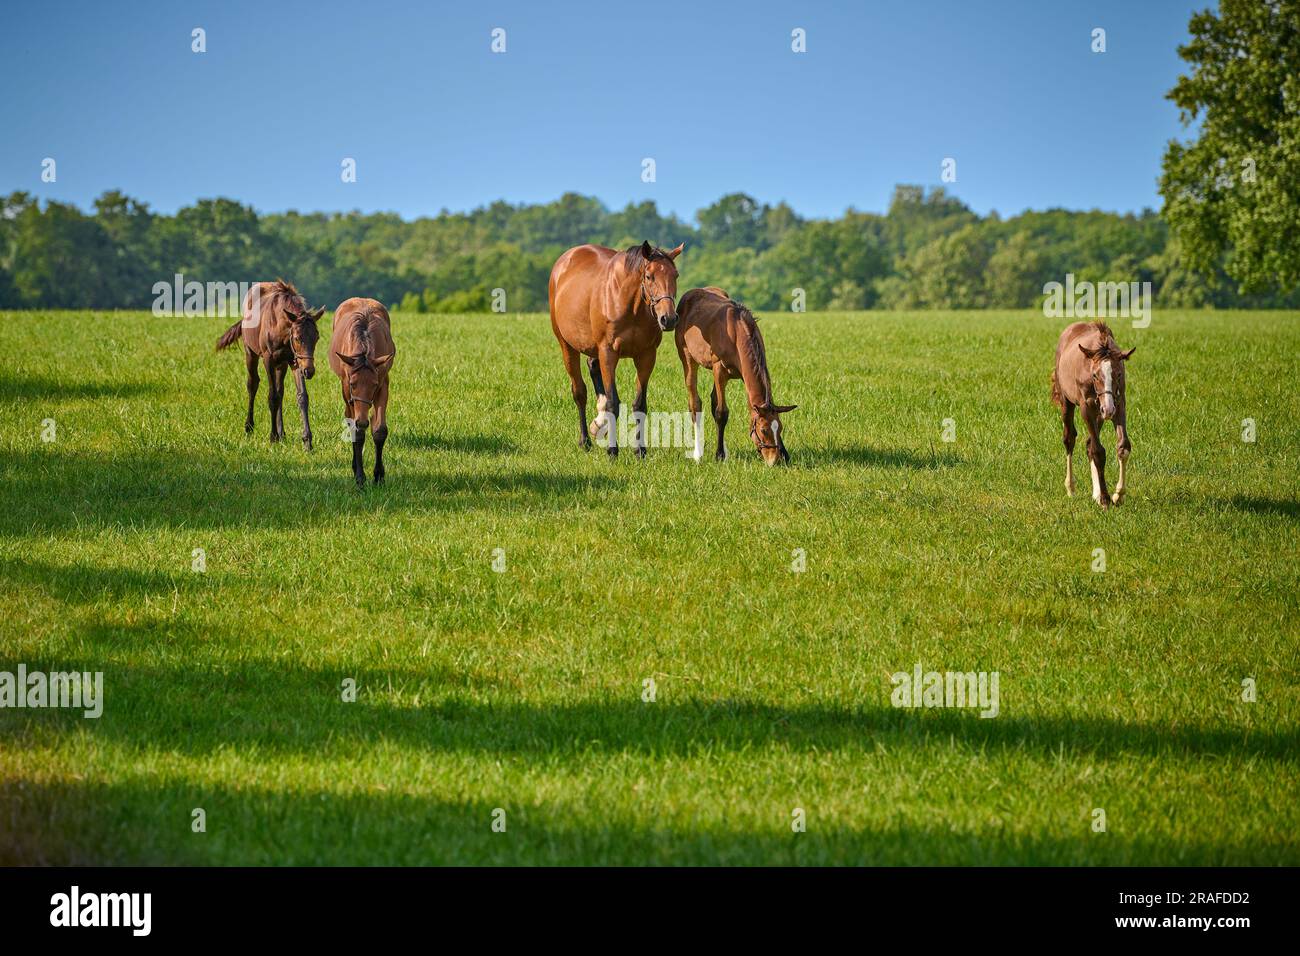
<point x="711" y="91"/>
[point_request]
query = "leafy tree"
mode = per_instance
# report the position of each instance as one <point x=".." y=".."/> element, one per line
<point x="733" y="222"/>
<point x="1232" y="195"/>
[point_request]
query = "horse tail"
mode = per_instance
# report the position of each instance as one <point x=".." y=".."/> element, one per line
<point x="230" y="336"/>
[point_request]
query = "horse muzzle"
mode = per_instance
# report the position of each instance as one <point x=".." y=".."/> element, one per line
<point x="667" y="322"/>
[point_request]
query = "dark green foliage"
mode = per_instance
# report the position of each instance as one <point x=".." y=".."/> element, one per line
<point x="928" y="251"/>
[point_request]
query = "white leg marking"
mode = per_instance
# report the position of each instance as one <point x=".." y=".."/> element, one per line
<point x="697" y="425"/>
<point x="1096" y="482"/>
<point x="1118" y="496"/>
<point x="1069" y="475"/>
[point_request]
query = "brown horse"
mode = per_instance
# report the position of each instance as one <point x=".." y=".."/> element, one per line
<point x="361" y="355"/>
<point x="1089" y="374"/>
<point x="278" y="329"/>
<point x="722" y="335"/>
<point x="610" y="305"/>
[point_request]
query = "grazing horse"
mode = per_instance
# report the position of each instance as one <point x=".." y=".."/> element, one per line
<point x="722" y="335"/>
<point x="610" y="305"/>
<point x="278" y="330"/>
<point x="361" y="355"/>
<point x="1089" y="373"/>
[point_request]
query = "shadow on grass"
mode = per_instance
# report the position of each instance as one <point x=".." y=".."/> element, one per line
<point x="883" y="457"/>
<point x="42" y="388"/>
<point x="203" y="709"/>
<point x="62" y="490"/>
<point x="147" y="821"/>
<point x="86" y="583"/>
<point x="457" y="444"/>
<point x="1287" y="508"/>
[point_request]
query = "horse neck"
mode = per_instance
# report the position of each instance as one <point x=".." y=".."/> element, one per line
<point x="277" y="332"/>
<point x="753" y="363"/>
<point x="628" y="286"/>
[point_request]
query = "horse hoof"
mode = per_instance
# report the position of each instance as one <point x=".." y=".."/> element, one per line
<point x="585" y="444"/>
<point x="612" y="451"/>
<point x="640" y="453"/>
<point x="379" y="477"/>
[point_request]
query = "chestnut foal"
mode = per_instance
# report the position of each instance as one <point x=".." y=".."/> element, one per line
<point x="279" y="331"/>
<point x="361" y="355"/>
<point x="722" y="335"/>
<point x="1089" y="374"/>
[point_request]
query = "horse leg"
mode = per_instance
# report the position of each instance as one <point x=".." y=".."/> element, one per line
<point x="1123" y="448"/>
<point x="608" y="366"/>
<point x="645" y="364"/>
<point x="1097" y="457"/>
<point x="250" y="364"/>
<point x="279" y="401"/>
<point x="1067" y="419"/>
<point x="379" y="429"/>
<point x="300" y="384"/>
<point x="593" y="369"/>
<point x="270" y="396"/>
<point x="358" y="452"/>
<point x="578" y="389"/>
<point x="691" y="371"/>
<point x="720" y="411"/>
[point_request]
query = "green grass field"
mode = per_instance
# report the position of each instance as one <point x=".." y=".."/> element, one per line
<point x="523" y="690"/>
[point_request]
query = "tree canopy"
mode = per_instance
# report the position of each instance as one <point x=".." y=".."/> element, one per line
<point x="1232" y="196"/>
<point x="928" y="250"/>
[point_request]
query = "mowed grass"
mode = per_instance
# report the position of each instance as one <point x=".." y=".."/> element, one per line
<point x="523" y="690"/>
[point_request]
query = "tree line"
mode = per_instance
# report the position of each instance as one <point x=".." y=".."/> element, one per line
<point x="927" y="251"/>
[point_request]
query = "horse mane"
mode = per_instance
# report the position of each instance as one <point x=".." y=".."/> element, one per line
<point x="634" y="258"/>
<point x="750" y="345"/>
<point x="361" y="331"/>
<point x="284" y="294"/>
<point x="1108" y="344"/>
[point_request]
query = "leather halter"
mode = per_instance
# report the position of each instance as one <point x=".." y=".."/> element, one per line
<point x="652" y="301"/>
<point x="758" y="439"/>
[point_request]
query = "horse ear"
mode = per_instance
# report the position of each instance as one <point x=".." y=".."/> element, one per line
<point x="673" y="254"/>
<point x="782" y="409"/>
<point x="1091" y="353"/>
<point x="382" y="362"/>
<point x="1125" y="355"/>
<point x="317" y="312"/>
<point x="351" y="361"/>
<point x="293" y="317"/>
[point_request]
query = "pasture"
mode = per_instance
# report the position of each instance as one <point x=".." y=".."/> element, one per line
<point x="523" y="689"/>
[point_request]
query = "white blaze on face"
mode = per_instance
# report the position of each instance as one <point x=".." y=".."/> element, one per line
<point x="1108" y="386"/>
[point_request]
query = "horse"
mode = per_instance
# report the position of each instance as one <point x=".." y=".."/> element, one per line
<point x="361" y="355"/>
<point x="610" y="305"/>
<point x="719" y="333"/>
<point x="278" y="329"/>
<point x="1089" y="374"/>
